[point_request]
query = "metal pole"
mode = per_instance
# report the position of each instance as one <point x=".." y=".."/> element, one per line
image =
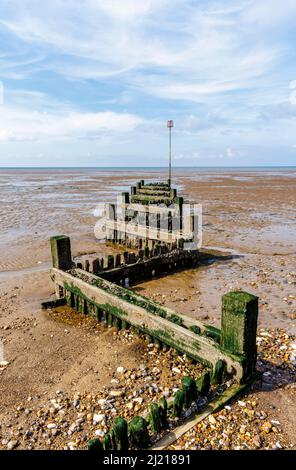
<point x="170" y="124"/>
<point x="170" y="157"/>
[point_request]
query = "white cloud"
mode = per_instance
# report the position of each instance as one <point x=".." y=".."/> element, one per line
<point x="199" y="50"/>
<point x="270" y="14"/>
<point x="230" y="153"/>
<point x="283" y="110"/>
<point x="24" y="125"/>
<point x="223" y="64"/>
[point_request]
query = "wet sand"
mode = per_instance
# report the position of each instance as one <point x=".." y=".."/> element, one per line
<point x="250" y="213"/>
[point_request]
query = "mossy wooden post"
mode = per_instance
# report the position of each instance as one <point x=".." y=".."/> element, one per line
<point x="68" y="298"/>
<point x="163" y="408"/>
<point x="239" y="326"/>
<point x="155" y="418"/>
<point x="107" y="442"/>
<point x="203" y="383"/>
<point x="190" y="390"/>
<point x="95" y="444"/>
<point x="178" y="403"/>
<point x="217" y="373"/>
<point x="96" y="266"/>
<point x="120" y="430"/>
<point x="110" y="262"/>
<point x="61" y="252"/>
<point x="138" y="432"/>
<point x="117" y="260"/>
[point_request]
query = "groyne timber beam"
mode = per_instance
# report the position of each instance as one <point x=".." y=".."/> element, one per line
<point x="236" y="349"/>
<point x="197" y="347"/>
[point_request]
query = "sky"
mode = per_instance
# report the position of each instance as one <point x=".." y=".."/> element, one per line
<point x="93" y="82"/>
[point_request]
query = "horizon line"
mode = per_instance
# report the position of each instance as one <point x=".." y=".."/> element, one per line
<point x="143" y="167"/>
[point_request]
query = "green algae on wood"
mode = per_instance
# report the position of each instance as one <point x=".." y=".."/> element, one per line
<point x="190" y="391"/>
<point x="203" y="383"/>
<point x="138" y="431"/>
<point x="155" y="418"/>
<point x="217" y="373"/>
<point x="239" y="326"/>
<point x="95" y="445"/>
<point x="178" y="403"/>
<point x="163" y="409"/>
<point x="120" y="431"/>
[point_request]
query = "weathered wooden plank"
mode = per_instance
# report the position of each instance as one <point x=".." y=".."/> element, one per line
<point x="136" y="207"/>
<point x="198" y="347"/>
<point x="186" y="321"/>
<point x="143" y="231"/>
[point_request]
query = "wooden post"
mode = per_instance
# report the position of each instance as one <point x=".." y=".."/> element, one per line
<point x="239" y="326"/>
<point x="61" y="252"/>
<point x="96" y="266"/>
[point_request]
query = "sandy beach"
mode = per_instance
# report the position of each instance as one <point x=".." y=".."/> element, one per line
<point x="250" y="214"/>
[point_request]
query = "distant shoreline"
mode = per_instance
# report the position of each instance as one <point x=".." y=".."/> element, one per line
<point x="149" y="168"/>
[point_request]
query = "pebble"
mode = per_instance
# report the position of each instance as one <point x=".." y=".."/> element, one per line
<point x="212" y="419"/>
<point x="98" y="418"/>
<point x="12" y="445"/>
<point x="241" y="403"/>
<point x="51" y="426"/>
<point x="116" y="393"/>
<point x="4" y="363"/>
<point x="243" y="425"/>
<point x="278" y="445"/>
<point x="102" y="402"/>
<point x="266" y="427"/>
<point x="257" y="441"/>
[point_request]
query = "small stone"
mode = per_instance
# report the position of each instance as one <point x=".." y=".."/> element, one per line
<point x="266" y="427"/>
<point x="102" y="402"/>
<point x="51" y="426"/>
<point x="139" y="400"/>
<point x="257" y="441"/>
<point x="212" y="419"/>
<point x="120" y="370"/>
<point x="4" y="363"/>
<point x="277" y="446"/>
<point x="12" y="445"/>
<point x="72" y="445"/>
<point x="116" y="393"/>
<point x="98" y="418"/>
<point x="72" y="428"/>
<point x="241" y="403"/>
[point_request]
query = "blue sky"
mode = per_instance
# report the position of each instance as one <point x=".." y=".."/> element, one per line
<point x="92" y="82"/>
